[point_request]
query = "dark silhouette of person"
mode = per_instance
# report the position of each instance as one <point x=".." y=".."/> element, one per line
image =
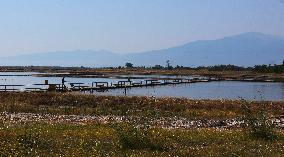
<point x="63" y="83"/>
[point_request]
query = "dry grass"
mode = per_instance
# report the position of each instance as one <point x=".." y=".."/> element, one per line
<point x="40" y="138"/>
<point x="68" y="103"/>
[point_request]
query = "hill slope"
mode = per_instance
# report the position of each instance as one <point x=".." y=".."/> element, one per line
<point x="245" y="49"/>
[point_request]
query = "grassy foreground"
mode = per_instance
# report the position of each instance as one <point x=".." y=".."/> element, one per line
<point x="20" y="137"/>
<point x="83" y="104"/>
<point x="40" y="139"/>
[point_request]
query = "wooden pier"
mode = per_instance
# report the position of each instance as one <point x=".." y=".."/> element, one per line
<point x="100" y="86"/>
<point x="6" y="88"/>
<point x="104" y="86"/>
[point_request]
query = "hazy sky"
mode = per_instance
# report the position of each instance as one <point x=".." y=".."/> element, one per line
<point x="31" y="26"/>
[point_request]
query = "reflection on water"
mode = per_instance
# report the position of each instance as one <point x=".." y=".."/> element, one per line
<point x="209" y="90"/>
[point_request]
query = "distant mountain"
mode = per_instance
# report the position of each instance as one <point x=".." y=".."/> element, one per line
<point x="89" y="58"/>
<point x="245" y="50"/>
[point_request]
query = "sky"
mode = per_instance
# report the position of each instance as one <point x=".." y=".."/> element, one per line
<point x="126" y="26"/>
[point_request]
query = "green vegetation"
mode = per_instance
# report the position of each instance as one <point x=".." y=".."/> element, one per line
<point x="257" y="68"/>
<point x="128" y="65"/>
<point x="30" y="136"/>
<point x="276" y="68"/>
<point x="84" y="104"/>
<point x="42" y="139"/>
<point x="259" y="123"/>
<point x="269" y="68"/>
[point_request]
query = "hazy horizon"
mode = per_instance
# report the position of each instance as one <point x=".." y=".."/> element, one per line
<point x="129" y="25"/>
<point x="137" y="52"/>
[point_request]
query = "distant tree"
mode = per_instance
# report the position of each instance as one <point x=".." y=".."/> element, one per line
<point x="168" y="63"/>
<point x="283" y="63"/>
<point x="158" y="67"/>
<point x="179" y="67"/>
<point x="129" y="65"/>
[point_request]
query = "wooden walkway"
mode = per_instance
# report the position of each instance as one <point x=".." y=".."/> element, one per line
<point x="105" y="86"/>
<point x="99" y="86"/>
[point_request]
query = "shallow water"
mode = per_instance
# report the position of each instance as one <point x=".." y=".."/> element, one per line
<point x="29" y="81"/>
<point x="211" y="90"/>
<point x="207" y="90"/>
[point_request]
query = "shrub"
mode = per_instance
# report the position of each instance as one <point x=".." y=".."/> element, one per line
<point x="258" y="122"/>
<point x="135" y="137"/>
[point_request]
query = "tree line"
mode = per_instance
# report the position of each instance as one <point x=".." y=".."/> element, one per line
<point x="257" y="68"/>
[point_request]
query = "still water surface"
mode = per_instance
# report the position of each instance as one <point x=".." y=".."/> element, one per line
<point x="208" y="90"/>
<point x="211" y="90"/>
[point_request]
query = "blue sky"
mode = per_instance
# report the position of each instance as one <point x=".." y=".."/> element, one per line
<point x="31" y="26"/>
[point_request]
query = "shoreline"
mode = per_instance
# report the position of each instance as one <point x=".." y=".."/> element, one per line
<point x="109" y="72"/>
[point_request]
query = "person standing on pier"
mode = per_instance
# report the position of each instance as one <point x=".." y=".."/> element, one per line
<point x="63" y="83"/>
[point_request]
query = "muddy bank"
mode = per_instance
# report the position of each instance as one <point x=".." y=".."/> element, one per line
<point x="218" y="76"/>
<point x="110" y="72"/>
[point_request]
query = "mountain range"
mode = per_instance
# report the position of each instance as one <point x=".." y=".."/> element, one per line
<point x="245" y="49"/>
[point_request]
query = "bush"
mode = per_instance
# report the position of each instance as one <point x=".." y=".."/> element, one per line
<point x="135" y="137"/>
<point x="258" y="122"/>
